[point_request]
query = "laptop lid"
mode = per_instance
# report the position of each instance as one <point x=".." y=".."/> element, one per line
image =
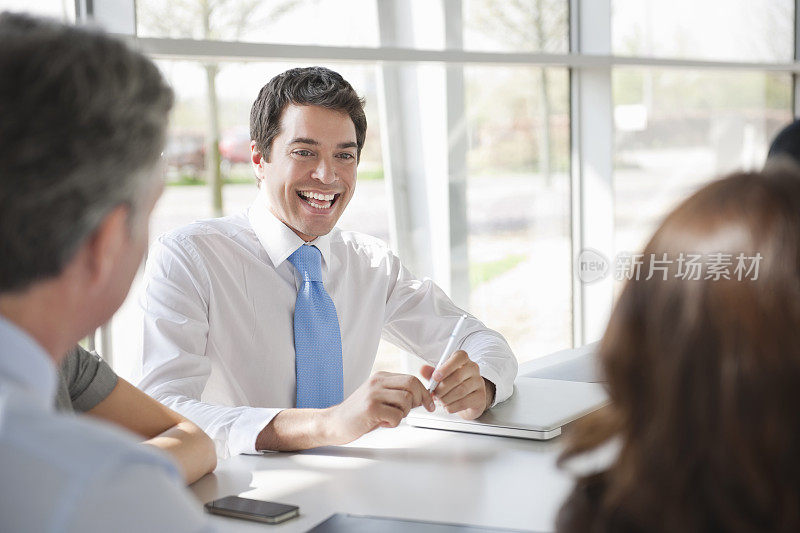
<point x="537" y="409"/>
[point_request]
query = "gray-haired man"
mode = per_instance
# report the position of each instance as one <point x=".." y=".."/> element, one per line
<point x="82" y="124"/>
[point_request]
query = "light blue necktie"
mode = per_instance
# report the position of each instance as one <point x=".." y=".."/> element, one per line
<point x="317" y="339"/>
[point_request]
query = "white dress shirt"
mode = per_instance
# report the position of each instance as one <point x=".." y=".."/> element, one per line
<point x="62" y="472"/>
<point x="219" y="299"/>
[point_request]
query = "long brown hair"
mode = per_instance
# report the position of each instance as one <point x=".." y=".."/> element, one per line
<point x="704" y="375"/>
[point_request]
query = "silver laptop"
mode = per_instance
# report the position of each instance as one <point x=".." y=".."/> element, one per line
<point x="537" y="410"/>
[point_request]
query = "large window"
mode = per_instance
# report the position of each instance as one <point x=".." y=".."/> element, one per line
<point x="300" y="22"/>
<point x="730" y="30"/>
<point x="678" y="129"/>
<point x="63" y="10"/>
<point x="516" y="26"/>
<point x="505" y="136"/>
<point x="518" y="205"/>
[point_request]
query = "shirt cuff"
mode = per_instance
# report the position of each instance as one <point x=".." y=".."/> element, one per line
<point x="245" y="430"/>
<point x="501" y="393"/>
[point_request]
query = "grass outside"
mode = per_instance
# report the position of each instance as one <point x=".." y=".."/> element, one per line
<point x="193" y="180"/>
<point x="480" y="273"/>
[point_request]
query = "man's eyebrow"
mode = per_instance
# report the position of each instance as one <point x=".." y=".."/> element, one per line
<point x="304" y="140"/>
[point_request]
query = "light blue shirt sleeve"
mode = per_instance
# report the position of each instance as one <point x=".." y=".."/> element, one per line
<point x="138" y="498"/>
<point x="64" y="473"/>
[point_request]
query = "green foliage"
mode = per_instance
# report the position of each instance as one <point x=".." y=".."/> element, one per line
<point x="185" y="180"/>
<point x="701" y="90"/>
<point x="480" y="273"/>
<point x="236" y="177"/>
<point x="371" y="174"/>
<point x="628" y="86"/>
<point x="193" y="180"/>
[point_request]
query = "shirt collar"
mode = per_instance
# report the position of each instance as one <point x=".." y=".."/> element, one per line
<point x="278" y="239"/>
<point x="24" y="362"/>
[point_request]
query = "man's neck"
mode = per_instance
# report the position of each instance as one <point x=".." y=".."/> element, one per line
<point x="41" y="313"/>
<point x="306" y="238"/>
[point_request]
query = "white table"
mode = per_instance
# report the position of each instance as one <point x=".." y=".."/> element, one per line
<point x="406" y="472"/>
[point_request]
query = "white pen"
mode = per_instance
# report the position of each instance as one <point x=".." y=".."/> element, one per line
<point x="447" y="349"/>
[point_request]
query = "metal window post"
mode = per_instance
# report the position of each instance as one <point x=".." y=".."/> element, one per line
<point x="592" y="136"/>
<point x="402" y="142"/>
<point x="115" y="16"/>
<point x="456" y="158"/>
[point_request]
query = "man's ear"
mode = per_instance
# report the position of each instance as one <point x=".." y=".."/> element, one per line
<point x="255" y="153"/>
<point x="105" y="246"/>
<point x="258" y="161"/>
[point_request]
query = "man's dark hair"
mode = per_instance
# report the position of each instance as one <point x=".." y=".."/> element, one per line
<point x="786" y="144"/>
<point x="82" y="124"/>
<point x="317" y="86"/>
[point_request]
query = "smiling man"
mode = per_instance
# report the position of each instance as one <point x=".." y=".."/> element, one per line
<point x="262" y="327"/>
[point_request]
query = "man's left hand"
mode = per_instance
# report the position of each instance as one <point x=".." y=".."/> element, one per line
<point x="461" y="388"/>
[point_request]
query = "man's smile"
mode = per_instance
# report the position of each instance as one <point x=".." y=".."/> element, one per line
<point x="320" y="201"/>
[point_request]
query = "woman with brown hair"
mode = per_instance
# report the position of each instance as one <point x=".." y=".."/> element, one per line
<point x="703" y="373"/>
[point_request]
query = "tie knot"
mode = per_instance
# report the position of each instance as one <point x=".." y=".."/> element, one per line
<point x="308" y="262"/>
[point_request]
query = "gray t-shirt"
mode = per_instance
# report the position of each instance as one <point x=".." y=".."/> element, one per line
<point x="84" y="380"/>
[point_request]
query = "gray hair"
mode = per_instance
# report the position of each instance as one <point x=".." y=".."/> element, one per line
<point x="82" y="124"/>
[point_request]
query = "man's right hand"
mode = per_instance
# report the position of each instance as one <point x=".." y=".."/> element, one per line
<point x="383" y="401"/>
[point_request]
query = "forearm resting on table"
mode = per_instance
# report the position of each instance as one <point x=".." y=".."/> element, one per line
<point x="161" y="427"/>
<point x="301" y="429"/>
<point x="190" y="447"/>
<point x="292" y="430"/>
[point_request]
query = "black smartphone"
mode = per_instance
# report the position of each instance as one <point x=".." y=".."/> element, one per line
<point x="258" y="510"/>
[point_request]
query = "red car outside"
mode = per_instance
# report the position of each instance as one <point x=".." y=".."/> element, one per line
<point x="234" y="146"/>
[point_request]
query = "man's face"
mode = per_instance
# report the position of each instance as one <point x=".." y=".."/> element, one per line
<point x="311" y="173"/>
